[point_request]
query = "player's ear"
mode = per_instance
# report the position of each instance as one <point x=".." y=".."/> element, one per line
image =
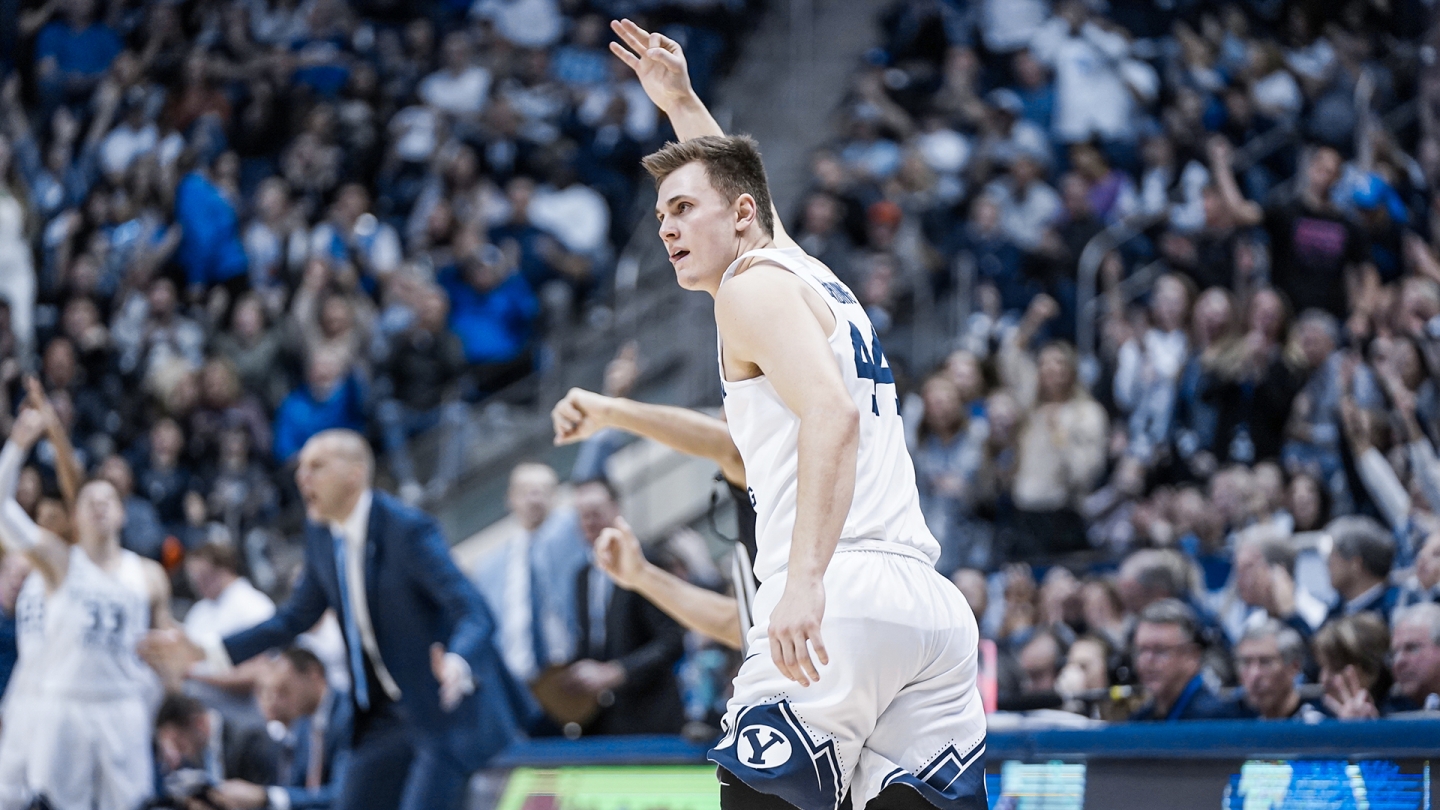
<point x="746" y="212"/>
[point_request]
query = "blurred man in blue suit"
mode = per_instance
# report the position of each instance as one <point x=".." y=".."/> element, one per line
<point x="431" y="699"/>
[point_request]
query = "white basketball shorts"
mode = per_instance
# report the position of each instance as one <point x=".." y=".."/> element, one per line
<point x="89" y="753"/>
<point x="897" y="703"/>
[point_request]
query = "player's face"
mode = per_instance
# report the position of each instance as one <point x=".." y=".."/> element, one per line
<point x="98" y="508"/>
<point x="701" y="231"/>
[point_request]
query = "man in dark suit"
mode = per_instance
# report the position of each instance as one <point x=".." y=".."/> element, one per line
<point x="418" y="636"/>
<point x="315" y="751"/>
<point x="1361" y="554"/>
<point x="189" y="736"/>
<point x="1169" y="648"/>
<point x="627" y="647"/>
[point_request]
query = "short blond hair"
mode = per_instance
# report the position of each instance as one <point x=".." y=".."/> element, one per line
<point x="732" y="162"/>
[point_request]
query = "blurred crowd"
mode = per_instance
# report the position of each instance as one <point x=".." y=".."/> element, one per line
<point x="1183" y="440"/>
<point x="226" y="226"/>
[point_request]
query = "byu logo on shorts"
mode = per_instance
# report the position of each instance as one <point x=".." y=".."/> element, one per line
<point x="763" y="747"/>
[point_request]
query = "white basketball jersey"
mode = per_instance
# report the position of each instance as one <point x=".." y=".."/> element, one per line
<point x="91" y="625"/>
<point x="886" y="507"/>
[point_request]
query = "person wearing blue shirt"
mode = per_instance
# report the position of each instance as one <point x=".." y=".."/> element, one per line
<point x="493" y="311"/>
<point x="210" y="249"/>
<point x="1168" y="654"/>
<point x="332" y="397"/>
<point x="72" y="54"/>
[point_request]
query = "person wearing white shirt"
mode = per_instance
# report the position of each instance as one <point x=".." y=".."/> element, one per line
<point x="1093" y="76"/>
<point x="460" y="87"/>
<point x="228" y="602"/>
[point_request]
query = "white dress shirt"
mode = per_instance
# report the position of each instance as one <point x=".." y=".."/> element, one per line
<point x="354" y="531"/>
<point x="239" y="607"/>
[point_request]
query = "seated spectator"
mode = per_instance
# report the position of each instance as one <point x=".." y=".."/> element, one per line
<point x="1168" y="651"/>
<point x="165" y="479"/>
<point x="1424" y="582"/>
<point x="1027" y="204"/>
<point x="976" y="590"/>
<point x="1265" y="583"/>
<point x="424" y="371"/>
<point x="1351" y="653"/>
<point x="1269" y="658"/>
<point x="332" y="397"/>
<point x="228" y="602"/>
<point x="143" y="533"/>
<point x="1415" y="657"/>
<point x="1361" y="554"/>
<point x="315" y="749"/>
<point x="1087" y="674"/>
<point x="492" y="310"/>
<point x="1308" y="503"/>
<point x="627" y="648"/>
<point x="525" y="579"/>
<point x="1039" y="662"/>
<point x="189" y="736"/>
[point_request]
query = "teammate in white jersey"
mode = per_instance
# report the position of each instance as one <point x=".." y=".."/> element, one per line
<point x="863" y="659"/>
<point x="81" y="736"/>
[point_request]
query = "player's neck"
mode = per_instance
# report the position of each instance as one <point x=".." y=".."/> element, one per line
<point x="102" y="549"/>
<point x="744" y="245"/>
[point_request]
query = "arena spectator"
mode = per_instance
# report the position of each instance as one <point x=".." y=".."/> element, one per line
<point x="423" y="371"/>
<point x="1359" y="563"/>
<point x="1168" y="651"/>
<point x="526" y="580"/>
<point x="187" y="735"/>
<point x="1269" y="658"/>
<point x="144" y="533"/>
<point x="951" y="476"/>
<point x="1351" y="652"/>
<point x="315" y="748"/>
<point x="1415" y="657"/>
<point x="228" y="602"/>
<point x="1039" y="662"/>
<point x="625" y="646"/>
<point x="332" y="397"/>
<point x="1265" y="584"/>
<point x="493" y="311"/>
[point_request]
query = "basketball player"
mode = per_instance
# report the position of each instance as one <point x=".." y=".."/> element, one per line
<point x="863" y="659"/>
<point x="85" y="724"/>
<point x="617" y="552"/>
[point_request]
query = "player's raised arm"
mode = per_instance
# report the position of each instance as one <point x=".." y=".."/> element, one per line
<point x="766" y="320"/>
<point x="18" y="532"/>
<point x="659" y="63"/>
<point x="581" y="413"/>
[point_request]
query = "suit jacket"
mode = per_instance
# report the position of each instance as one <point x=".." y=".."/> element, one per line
<point x="1382" y="603"/>
<point x="335" y="756"/>
<point x="417" y="597"/>
<point x="648" y="644"/>
<point x="247" y="752"/>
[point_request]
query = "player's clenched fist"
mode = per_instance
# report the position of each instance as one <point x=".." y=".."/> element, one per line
<point x="618" y="553"/>
<point x="795" y="629"/>
<point x="578" y="416"/>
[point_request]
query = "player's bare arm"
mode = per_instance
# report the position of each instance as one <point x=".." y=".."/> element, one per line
<point x="716" y="616"/>
<point x="659" y="63"/>
<point x="18" y="531"/>
<point x="582" y="413"/>
<point x="772" y="323"/>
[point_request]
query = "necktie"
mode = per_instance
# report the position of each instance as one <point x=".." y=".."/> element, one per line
<point x="315" y="768"/>
<point x="352" y="629"/>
